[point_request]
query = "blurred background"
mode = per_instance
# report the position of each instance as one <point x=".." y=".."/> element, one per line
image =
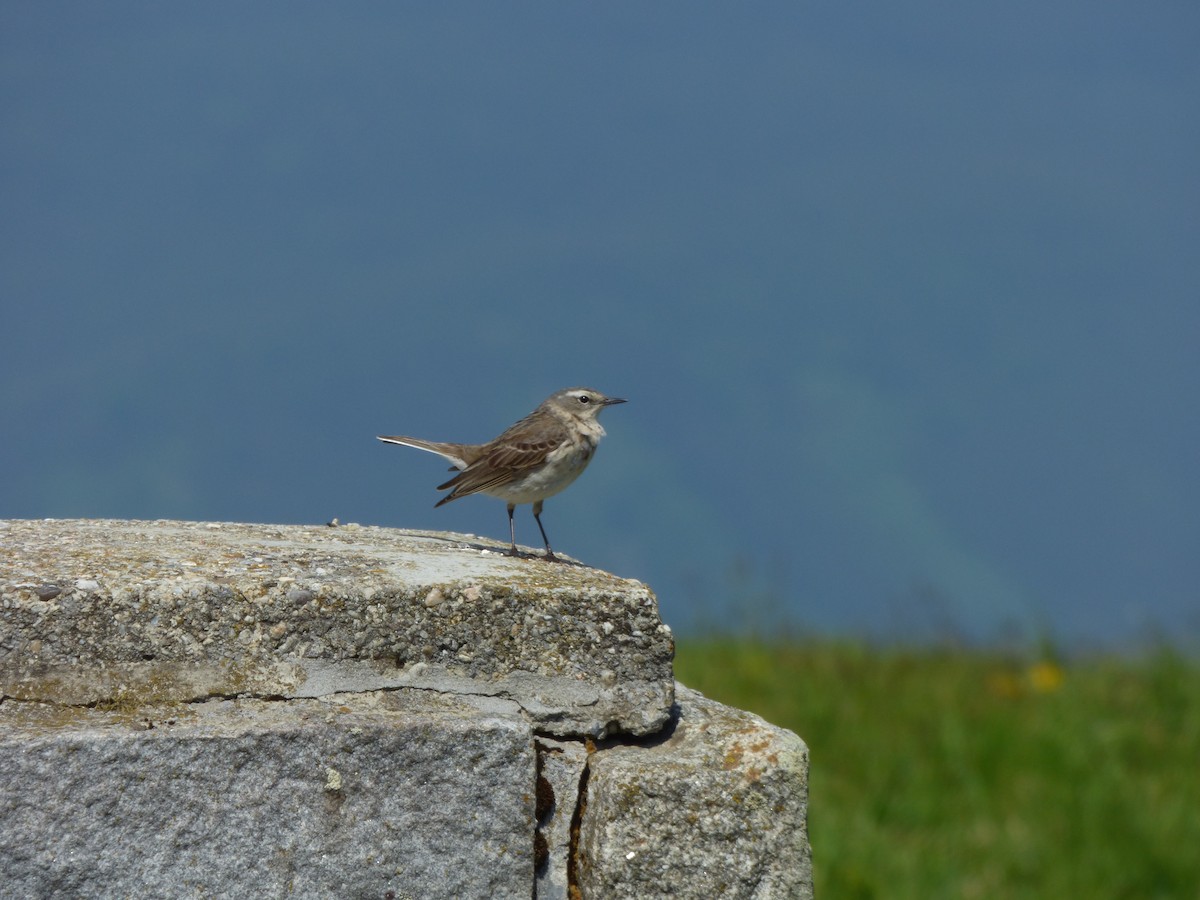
<point x="904" y="298"/>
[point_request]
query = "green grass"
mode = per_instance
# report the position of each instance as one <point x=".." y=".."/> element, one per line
<point x="960" y="774"/>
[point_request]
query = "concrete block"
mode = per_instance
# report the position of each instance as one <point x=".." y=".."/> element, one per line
<point x="210" y="710"/>
<point x="397" y="794"/>
<point x="714" y="807"/>
<point x="97" y="610"/>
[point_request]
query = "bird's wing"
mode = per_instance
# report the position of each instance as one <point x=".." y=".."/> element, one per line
<point x="522" y="454"/>
<point x="501" y="460"/>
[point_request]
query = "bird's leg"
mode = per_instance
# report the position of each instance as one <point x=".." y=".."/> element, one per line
<point x="512" y="530"/>
<point x="537" y="517"/>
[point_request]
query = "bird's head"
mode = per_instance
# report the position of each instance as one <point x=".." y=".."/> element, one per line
<point x="581" y="402"/>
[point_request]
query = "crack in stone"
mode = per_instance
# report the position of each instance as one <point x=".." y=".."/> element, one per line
<point x="573" y="892"/>
<point x="544" y="801"/>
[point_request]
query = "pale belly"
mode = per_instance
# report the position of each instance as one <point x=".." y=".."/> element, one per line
<point x="560" y="469"/>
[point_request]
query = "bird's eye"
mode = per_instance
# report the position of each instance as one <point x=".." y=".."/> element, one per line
<point x="585" y="399"/>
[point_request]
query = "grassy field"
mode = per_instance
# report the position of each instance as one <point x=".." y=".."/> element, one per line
<point x="961" y="774"/>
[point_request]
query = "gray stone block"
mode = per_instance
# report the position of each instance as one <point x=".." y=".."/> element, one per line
<point x="403" y="794"/>
<point x="716" y="808"/>
<point x="94" y="611"/>
<point x="203" y="710"/>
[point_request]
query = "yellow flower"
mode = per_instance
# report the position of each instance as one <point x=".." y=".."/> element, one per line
<point x="1045" y="677"/>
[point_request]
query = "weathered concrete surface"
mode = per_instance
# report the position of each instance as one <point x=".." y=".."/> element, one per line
<point x="401" y="794"/>
<point x="92" y="611"/>
<point x="199" y="710"/>
<point x="716" y="809"/>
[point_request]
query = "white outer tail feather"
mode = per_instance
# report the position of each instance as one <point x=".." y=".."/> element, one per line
<point x="427" y="446"/>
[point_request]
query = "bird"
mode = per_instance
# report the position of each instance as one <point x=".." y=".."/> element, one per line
<point x="532" y="460"/>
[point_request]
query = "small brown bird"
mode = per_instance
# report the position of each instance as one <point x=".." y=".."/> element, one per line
<point x="534" y="459"/>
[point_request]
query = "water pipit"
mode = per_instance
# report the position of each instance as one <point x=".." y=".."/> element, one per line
<point x="534" y="459"/>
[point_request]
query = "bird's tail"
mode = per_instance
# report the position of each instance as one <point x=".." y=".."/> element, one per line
<point x="462" y="455"/>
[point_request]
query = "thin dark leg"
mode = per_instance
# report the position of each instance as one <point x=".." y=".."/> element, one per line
<point x="512" y="530"/>
<point x="537" y="517"/>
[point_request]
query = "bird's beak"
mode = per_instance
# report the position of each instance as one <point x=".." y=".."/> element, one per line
<point x="612" y="401"/>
